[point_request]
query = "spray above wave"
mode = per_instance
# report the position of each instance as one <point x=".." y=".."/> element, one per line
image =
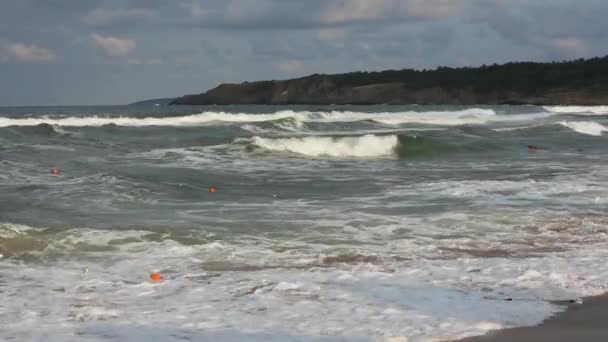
<point x="585" y="127"/>
<point x="367" y="146"/>
<point x="593" y="110"/>
<point x="443" y="118"/>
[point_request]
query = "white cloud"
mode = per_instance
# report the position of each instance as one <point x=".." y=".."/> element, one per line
<point x="291" y="67"/>
<point x="137" y="61"/>
<point x="569" y="45"/>
<point x="183" y="61"/>
<point x="344" y="12"/>
<point x="29" y="53"/>
<point x="333" y="35"/>
<point x="134" y="61"/>
<point x="113" y="46"/>
<point x="433" y="8"/>
<point x="354" y="10"/>
<point x="194" y="8"/>
<point x="155" y="61"/>
<point x="245" y="10"/>
<point x="102" y="16"/>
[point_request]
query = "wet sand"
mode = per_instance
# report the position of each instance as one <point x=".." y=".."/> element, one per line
<point x="580" y="323"/>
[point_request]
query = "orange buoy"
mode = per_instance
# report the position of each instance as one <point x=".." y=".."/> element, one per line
<point x="212" y="189"/>
<point x="55" y="171"/>
<point x="156" y="277"/>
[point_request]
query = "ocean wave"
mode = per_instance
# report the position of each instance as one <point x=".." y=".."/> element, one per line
<point x="189" y="120"/>
<point x="518" y="128"/>
<point x="297" y="118"/>
<point x="363" y="146"/>
<point x="441" y="118"/>
<point x="585" y="127"/>
<point x="592" y="110"/>
<point x="472" y="116"/>
<point x="255" y="129"/>
<point x="366" y="146"/>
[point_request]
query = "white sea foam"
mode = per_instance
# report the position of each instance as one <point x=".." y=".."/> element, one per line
<point x="589" y="110"/>
<point x="95" y="314"/>
<point x="13" y="230"/>
<point x="363" y="146"/>
<point x="568" y="190"/>
<point x="469" y="116"/>
<point x="255" y="129"/>
<point x="189" y="120"/>
<point x="511" y="129"/>
<point x="585" y="127"/>
<point x="421" y="299"/>
<point x="60" y="130"/>
<point x="474" y="116"/>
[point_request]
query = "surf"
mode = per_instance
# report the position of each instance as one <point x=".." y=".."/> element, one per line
<point x="585" y="127"/>
<point x="579" y="110"/>
<point x="297" y="118"/>
<point x="398" y="146"/>
<point x="364" y="146"/>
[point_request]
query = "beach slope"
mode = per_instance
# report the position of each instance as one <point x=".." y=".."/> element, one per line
<point x="587" y="322"/>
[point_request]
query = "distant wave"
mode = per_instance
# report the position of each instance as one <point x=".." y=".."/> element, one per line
<point x="518" y="128"/>
<point x="589" y="110"/>
<point x="189" y="120"/>
<point x="585" y="127"/>
<point x="444" y="118"/>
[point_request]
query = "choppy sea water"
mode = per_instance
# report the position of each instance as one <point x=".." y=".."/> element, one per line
<point x="377" y="223"/>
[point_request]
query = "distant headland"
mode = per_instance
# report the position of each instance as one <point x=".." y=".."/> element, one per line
<point x="577" y="82"/>
<point x="153" y="102"/>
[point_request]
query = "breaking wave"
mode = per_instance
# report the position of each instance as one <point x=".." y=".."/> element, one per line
<point x="585" y="127"/>
<point x="592" y="110"/>
<point x="366" y="146"/>
<point x="445" y="118"/>
<point x="363" y="146"/>
<point x="189" y="120"/>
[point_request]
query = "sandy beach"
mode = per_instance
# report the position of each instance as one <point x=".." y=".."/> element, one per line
<point x="580" y="322"/>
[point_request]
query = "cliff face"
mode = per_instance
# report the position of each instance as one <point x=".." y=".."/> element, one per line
<point x="572" y="83"/>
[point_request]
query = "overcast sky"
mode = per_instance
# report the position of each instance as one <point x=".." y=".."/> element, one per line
<point x="55" y="52"/>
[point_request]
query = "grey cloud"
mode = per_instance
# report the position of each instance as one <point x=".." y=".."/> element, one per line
<point x="103" y="17"/>
<point x="63" y="5"/>
<point x="540" y="25"/>
<point x="289" y="15"/>
<point x="113" y="46"/>
<point x="362" y="10"/>
<point x="173" y="47"/>
<point x="293" y="46"/>
<point x="29" y="53"/>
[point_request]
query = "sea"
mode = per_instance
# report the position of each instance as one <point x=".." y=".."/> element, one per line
<point x="297" y="223"/>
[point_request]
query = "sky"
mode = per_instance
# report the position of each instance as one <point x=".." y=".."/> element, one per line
<point x="92" y="52"/>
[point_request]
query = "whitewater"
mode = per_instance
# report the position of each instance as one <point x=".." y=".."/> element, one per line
<point x="307" y="223"/>
<point x="446" y="118"/>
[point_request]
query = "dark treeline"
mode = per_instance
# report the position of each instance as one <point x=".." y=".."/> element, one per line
<point x="524" y="77"/>
<point x="577" y="82"/>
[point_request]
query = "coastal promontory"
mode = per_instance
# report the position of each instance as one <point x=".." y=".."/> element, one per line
<point x="578" y="82"/>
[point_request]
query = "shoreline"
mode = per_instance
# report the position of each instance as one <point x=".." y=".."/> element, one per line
<point x="579" y="322"/>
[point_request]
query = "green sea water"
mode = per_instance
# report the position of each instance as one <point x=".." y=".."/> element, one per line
<point x="327" y="223"/>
